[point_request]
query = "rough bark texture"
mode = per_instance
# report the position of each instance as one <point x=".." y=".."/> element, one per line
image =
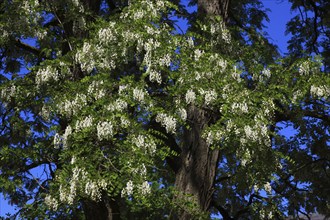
<point x="104" y="210"/>
<point x="213" y="7"/>
<point x="198" y="162"/>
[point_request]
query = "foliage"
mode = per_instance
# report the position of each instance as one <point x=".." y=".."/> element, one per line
<point x="101" y="110"/>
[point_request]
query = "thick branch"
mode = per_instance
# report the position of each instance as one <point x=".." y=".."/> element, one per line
<point x="18" y="43"/>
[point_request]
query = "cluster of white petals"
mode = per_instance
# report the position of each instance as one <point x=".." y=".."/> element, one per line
<point x="118" y="105"/>
<point x="304" y="68"/>
<point x="258" y="133"/>
<point x="47" y="74"/>
<point x="240" y="107"/>
<point x="70" y="108"/>
<point x="146" y="144"/>
<point x="67" y="133"/>
<point x="167" y="121"/>
<point x="155" y="76"/>
<point x="210" y="96"/>
<point x="104" y="130"/>
<point x="94" y="189"/>
<point x="143" y="189"/>
<point x="183" y="114"/>
<point x="95" y="90"/>
<point x="320" y="91"/>
<point x="268" y="187"/>
<point x="128" y="190"/>
<point x="190" y="96"/>
<point x="9" y="92"/>
<point x="138" y="94"/>
<point x="85" y="123"/>
<point x="51" y="202"/>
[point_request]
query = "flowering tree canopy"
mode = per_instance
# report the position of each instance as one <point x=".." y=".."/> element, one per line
<point x="109" y="111"/>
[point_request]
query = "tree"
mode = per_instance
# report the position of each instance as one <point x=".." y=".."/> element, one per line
<point x="119" y="116"/>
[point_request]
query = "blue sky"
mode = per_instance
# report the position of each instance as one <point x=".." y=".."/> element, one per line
<point x="279" y="16"/>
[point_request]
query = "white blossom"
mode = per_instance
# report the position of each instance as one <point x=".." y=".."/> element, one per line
<point x="155" y="76"/>
<point x="128" y="190"/>
<point x="304" y="68"/>
<point x="190" y="96"/>
<point x="167" y="121"/>
<point x="268" y="187"/>
<point x="240" y="107"/>
<point x="320" y="91"/>
<point x="266" y="72"/>
<point x="47" y="74"/>
<point x="183" y="114"/>
<point x="67" y="133"/>
<point x="197" y="54"/>
<point x="57" y="141"/>
<point x="104" y="130"/>
<point x="145" y="188"/>
<point x="210" y="96"/>
<point x="51" y="202"/>
<point x="85" y="123"/>
<point x="138" y="94"/>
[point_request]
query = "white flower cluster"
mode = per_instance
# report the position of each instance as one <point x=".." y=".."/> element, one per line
<point x="104" y="130"/>
<point x="246" y="158"/>
<point x="183" y="114"/>
<point x="46" y="75"/>
<point x="258" y="133"/>
<point x="67" y="133"/>
<point x="265" y="75"/>
<point x="155" y="76"/>
<point x="320" y="91"/>
<point x="108" y="35"/>
<point x="197" y="54"/>
<point x="57" y="141"/>
<point x="9" y="92"/>
<point x="85" y="123"/>
<point x="94" y="189"/>
<point x="165" y="61"/>
<point x="146" y="144"/>
<point x="118" y="105"/>
<point x="304" y="68"/>
<point x="84" y="57"/>
<point x="144" y="189"/>
<point x="268" y="188"/>
<point x="263" y="215"/>
<point x="51" y="202"/>
<point x="221" y="63"/>
<point x="141" y="170"/>
<point x="70" y="108"/>
<point x="124" y="122"/>
<point x="138" y="94"/>
<point x="128" y="190"/>
<point x="210" y="96"/>
<point x="240" y="108"/>
<point x="226" y="35"/>
<point x="190" y="96"/>
<point x="167" y="121"/>
<point x="95" y="90"/>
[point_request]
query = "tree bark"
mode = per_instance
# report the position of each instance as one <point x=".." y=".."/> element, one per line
<point x="103" y="210"/>
<point x="197" y="172"/>
<point x="198" y="165"/>
<point x="213" y="8"/>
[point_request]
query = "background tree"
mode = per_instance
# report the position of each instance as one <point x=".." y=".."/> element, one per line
<point x="127" y="119"/>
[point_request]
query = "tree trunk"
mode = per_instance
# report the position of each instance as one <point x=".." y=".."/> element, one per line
<point x="198" y="165"/>
<point x="103" y="210"/>
<point x="197" y="172"/>
<point x="213" y="7"/>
